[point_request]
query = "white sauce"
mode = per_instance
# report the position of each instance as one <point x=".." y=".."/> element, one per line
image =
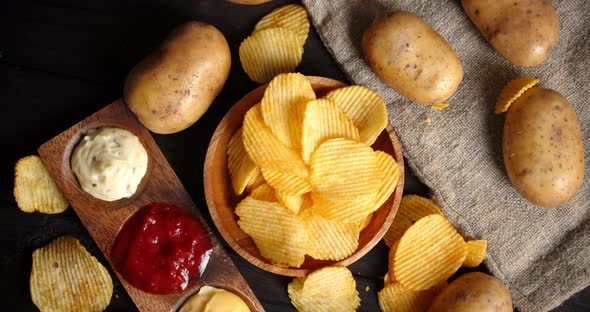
<point x="109" y="163"/>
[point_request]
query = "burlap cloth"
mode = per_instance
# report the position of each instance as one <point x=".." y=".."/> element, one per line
<point x="543" y="255"/>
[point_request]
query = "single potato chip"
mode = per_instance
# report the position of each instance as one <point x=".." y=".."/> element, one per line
<point x="440" y="106"/>
<point x="291" y="202"/>
<point x="283" y="105"/>
<point x="242" y="169"/>
<point x="281" y="167"/>
<point x="476" y="252"/>
<point x="350" y="211"/>
<point x="411" y="209"/>
<point x="394" y="297"/>
<point x="348" y="303"/>
<point x="329" y="282"/>
<point x="65" y="277"/>
<point x="34" y="189"/>
<point x="323" y="120"/>
<point x="291" y="16"/>
<point x="365" y="108"/>
<point x="264" y="192"/>
<point x="513" y="89"/>
<point x="270" y="52"/>
<point x="330" y="239"/>
<point x="429" y="252"/>
<point x="389" y="176"/>
<point x="344" y="169"/>
<point x="256" y="181"/>
<point x="280" y="236"/>
<point x="362" y="225"/>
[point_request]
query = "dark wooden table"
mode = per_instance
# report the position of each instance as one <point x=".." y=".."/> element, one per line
<point x="61" y="60"/>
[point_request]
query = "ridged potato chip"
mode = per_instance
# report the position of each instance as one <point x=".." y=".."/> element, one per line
<point x="411" y="209"/>
<point x="348" y="303"/>
<point x="282" y="107"/>
<point x="365" y="108"/>
<point x="389" y="176"/>
<point x="323" y="120"/>
<point x="270" y="52"/>
<point x="256" y="181"/>
<point x="363" y="224"/>
<point x="281" y="167"/>
<point x="350" y="211"/>
<point x="330" y="239"/>
<point x="329" y="282"/>
<point x="291" y="16"/>
<point x="241" y="168"/>
<point x="291" y="202"/>
<point x="394" y="297"/>
<point x="476" y="252"/>
<point x="264" y="192"/>
<point x="513" y="89"/>
<point x="34" y="189"/>
<point x="429" y="252"/>
<point x="343" y="169"/>
<point x="280" y="236"/>
<point x="65" y="277"/>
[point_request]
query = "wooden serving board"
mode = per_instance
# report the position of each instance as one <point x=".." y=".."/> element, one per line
<point x="103" y="219"/>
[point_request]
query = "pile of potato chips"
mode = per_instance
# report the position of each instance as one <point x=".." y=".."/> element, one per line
<point x="312" y="178"/>
<point x="65" y="277"/>
<point x="425" y="251"/>
<point x="276" y="44"/>
<point x="325" y="290"/>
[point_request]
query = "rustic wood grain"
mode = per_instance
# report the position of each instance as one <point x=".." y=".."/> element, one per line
<point x="222" y="200"/>
<point x="103" y="219"/>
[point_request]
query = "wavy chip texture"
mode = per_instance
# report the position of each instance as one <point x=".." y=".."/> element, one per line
<point x="344" y="169"/>
<point x="65" y="277"/>
<point x="412" y="208"/>
<point x="330" y="239"/>
<point x="332" y="281"/>
<point x="351" y="211"/>
<point x="283" y="106"/>
<point x="347" y="303"/>
<point x="512" y="91"/>
<point x="291" y="16"/>
<point x="281" y="167"/>
<point x="429" y="252"/>
<point x="279" y="235"/>
<point x="389" y="176"/>
<point x="264" y="192"/>
<point x="291" y="202"/>
<point x="365" y="108"/>
<point x="34" y="189"/>
<point x="242" y="169"/>
<point x="270" y="52"/>
<point x="476" y="252"/>
<point x="323" y="120"/>
<point x="394" y="297"/>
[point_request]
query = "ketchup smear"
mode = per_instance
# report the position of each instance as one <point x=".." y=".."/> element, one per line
<point x="159" y="249"/>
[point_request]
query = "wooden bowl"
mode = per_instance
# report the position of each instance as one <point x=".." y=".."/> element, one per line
<point x="222" y="200"/>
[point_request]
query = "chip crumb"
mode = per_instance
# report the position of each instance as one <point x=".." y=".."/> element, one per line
<point x="427" y="120"/>
<point x="367" y="289"/>
<point x="440" y="106"/>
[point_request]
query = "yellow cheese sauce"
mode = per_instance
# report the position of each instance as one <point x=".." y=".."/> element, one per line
<point x="109" y="163"/>
<point x="211" y="299"/>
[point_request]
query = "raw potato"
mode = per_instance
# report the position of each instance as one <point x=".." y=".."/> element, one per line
<point x="473" y="292"/>
<point x="172" y="87"/>
<point x="412" y="58"/>
<point x="523" y="31"/>
<point x="543" y="149"/>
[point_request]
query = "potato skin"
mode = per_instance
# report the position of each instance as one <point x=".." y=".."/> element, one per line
<point x="473" y="292"/>
<point x="412" y="58"/>
<point x="522" y="31"/>
<point x="543" y="149"/>
<point x="173" y="86"/>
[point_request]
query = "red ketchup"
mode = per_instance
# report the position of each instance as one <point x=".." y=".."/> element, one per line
<point x="161" y="248"/>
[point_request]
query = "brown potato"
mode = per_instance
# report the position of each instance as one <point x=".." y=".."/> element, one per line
<point x="543" y="149"/>
<point x="412" y="58"/>
<point x="172" y="87"/>
<point x="473" y="292"/>
<point x="522" y="31"/>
